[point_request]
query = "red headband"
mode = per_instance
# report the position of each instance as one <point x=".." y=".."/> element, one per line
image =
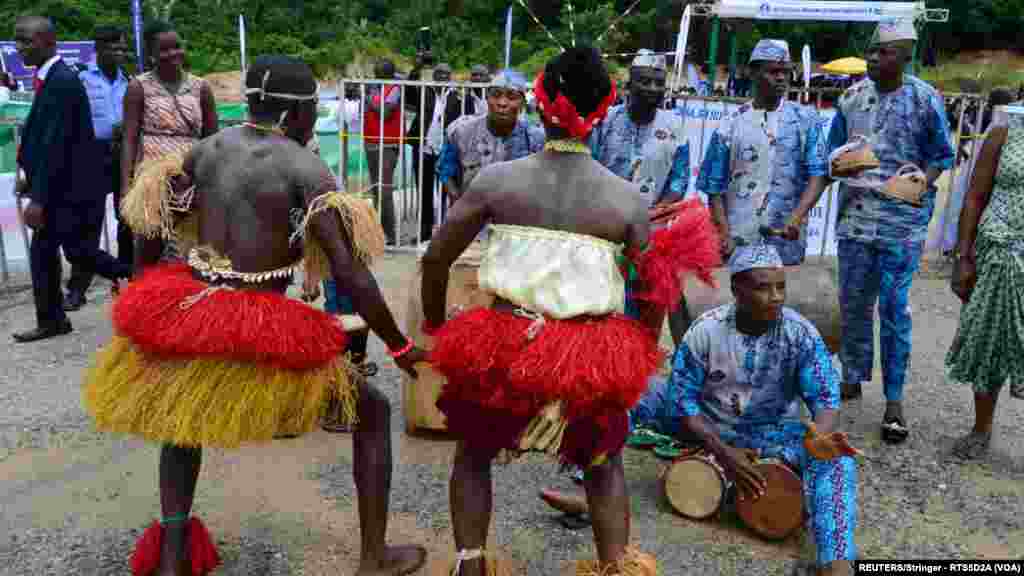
<point x="563" y="114"/>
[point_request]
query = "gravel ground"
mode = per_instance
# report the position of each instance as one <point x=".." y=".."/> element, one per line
<point x="73" y="501"/>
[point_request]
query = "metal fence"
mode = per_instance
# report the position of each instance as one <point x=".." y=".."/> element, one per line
<point x="410" y="183"/>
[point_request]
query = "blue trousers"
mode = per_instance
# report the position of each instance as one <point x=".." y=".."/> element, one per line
<point x="868" y="273"/>
<point x="830" y="486"/>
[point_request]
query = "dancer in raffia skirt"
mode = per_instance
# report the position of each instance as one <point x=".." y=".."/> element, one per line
<point x="554" y="365"/>
<point x="209" y="352"/>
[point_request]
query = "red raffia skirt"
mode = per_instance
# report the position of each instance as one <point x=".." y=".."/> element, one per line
<point x="498" y="378"/>
<point x="193" y="364"/>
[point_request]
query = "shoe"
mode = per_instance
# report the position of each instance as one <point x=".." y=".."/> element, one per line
<point x="43" y="333"/>
<point x="74" y="301"/>
<point x="894" y="430"/>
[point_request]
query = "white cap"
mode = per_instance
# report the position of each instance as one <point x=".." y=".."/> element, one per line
<point x="648" y="59"/>
<point x="768" y="50"/>
<point x="901" y="30"/>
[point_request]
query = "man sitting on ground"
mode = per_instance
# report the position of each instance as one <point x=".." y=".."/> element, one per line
<point x="734" y="407"/>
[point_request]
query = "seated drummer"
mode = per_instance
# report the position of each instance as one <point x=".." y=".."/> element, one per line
<point x="736" y="381"/>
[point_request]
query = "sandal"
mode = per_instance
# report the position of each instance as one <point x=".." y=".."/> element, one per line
<point x="574" y="522"/>
<point x="642" y="438"/>
<point x="894" y="430"/>
<point x="972" y="446"/>
<point x="674" y="450"/>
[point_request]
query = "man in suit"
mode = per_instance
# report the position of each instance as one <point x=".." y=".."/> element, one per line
<point x="56" y="158"/>
<point x="105" y="84"/>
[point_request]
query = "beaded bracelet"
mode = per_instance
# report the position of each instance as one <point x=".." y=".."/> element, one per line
<point x="403" y="351"/>
<point x="177" y="518"/>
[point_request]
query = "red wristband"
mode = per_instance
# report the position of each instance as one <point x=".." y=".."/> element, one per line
<point x="403" y="351"/>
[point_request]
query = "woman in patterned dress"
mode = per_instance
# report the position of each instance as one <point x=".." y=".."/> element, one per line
<point x="166" y="110"/>
<point x="988" y="349"/>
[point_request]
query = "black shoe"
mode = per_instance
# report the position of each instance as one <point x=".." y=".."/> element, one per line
<point x="74" y="301"/>
<point x="43" y="333"/>
<point x="894" y="430"/>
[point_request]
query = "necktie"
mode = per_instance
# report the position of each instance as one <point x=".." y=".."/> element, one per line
<point x="37" y="83"/>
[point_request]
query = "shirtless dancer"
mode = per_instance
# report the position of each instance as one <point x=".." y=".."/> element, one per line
<point x="197" y="360"/>
<point x="538" y="361"/>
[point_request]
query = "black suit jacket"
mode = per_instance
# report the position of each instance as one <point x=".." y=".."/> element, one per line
<point x="58" y="143"/>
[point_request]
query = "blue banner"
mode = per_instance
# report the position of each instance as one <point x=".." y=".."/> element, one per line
<point x="508" y="38"/>
<point x="137" y="28"/>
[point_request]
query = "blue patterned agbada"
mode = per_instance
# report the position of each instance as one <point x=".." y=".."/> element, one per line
<point x="656" y="156"/>
<point x="881" y="239"/>
<point x="760" y="162"/>
<point x="749" y="388"/>
<point x="471" y="146"/>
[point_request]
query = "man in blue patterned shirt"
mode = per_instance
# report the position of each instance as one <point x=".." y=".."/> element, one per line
<point x="881" y="238"/>
<point x="762" y="159"/>
<point x="737" y="383"/>
<point x="646" y="145"/>
<point x="501" y="135"/>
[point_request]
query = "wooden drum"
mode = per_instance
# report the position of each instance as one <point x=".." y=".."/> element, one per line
<point x="812" y="289"/>
<point x="419" y="397"/>
<point x="780" y="511"/>
<point x="696" y="486"/>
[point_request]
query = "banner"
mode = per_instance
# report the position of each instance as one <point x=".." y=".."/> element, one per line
<point x="71" y="52"/>
<point x="684" y="33"/>
<point x="508" y="38"/>
<point x="703" y="118"/>
<point x="241" y="48"/>
<point x="806" y="57"/>
<point x="820" y="10"/>
<point x="137" y="30"/>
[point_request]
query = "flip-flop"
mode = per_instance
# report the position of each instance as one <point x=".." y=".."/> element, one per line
<point x="670" y="451"/>
<point x="643" y="438"/>
<point x="574" y="522"/>
<point x="894" y="431"/>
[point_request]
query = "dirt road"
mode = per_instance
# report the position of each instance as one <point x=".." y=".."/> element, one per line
<point x="73" y="501"/>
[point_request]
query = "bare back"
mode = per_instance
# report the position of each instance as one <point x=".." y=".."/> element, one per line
<point x="247" y="187"/>
<point x="566" y="192"/>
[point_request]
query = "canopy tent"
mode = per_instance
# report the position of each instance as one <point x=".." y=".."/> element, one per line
<point x="850" y="65"/>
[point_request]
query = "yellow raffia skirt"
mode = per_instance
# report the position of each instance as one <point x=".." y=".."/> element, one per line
<point x="195" y="366"/>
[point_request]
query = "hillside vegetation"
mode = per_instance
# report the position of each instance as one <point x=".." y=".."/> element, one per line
<point x="341" y="37"/>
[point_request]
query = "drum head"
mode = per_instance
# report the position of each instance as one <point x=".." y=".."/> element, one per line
<point x="781" y="510"/>
<point x="694" y="488"/>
